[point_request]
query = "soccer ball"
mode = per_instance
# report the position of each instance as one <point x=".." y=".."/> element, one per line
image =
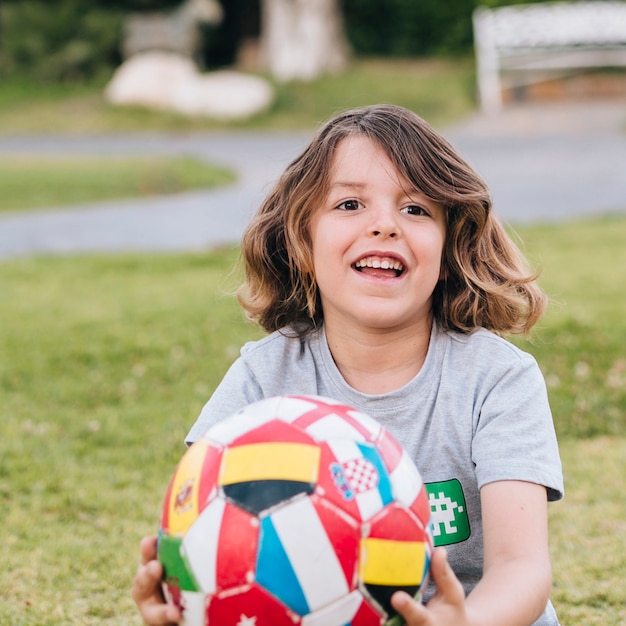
<point x="295" y="510"/>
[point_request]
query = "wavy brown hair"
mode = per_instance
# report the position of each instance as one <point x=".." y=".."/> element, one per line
<point x="485" y="280"/>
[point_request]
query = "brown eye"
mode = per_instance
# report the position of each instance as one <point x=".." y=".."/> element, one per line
<point x="414" y="209"/>
<point x="349" y="205"/>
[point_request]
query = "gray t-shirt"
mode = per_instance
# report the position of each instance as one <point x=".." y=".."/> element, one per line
<point x="477" y="412"/>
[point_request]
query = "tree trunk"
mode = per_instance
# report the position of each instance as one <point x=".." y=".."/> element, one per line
<point x="303" y="39"/>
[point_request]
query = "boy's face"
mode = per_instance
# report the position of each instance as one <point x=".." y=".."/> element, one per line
<point x="377" y="243"/>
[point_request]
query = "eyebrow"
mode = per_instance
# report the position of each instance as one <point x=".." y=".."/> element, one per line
<point x="357" y="185"/>
<point x="348" y="185"/>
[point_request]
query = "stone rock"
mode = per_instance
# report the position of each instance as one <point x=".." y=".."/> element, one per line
<point x="149" y="79"/>
<point x="224" y="95"/>
<point x="167" y="81"/>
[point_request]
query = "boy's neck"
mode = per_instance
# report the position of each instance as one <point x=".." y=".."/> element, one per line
<point x="378" y="362"/>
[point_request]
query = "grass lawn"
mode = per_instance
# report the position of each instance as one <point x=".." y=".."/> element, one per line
<point x="41" y="182"/>
<point x="588" y="534"/>
<point x="581" y="343"/>
<point x="107" y="361"/>
<point x="440" y="90"/>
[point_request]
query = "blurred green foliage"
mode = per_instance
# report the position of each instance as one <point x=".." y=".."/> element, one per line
<point x="60" y="40"/>
<point x="401" y="28"/>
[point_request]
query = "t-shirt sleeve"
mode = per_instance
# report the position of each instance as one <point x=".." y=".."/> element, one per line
<point x="237" y="389"/>
<point x="514" y="436"/>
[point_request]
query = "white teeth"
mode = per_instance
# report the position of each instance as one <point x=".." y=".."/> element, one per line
<point x="378" y="262"/>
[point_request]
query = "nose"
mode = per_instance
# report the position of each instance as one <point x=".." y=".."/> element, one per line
<point x="384" y="224"/>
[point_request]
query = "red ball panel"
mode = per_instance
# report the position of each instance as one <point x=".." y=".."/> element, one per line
<point x="248" y="606"/>
<point x="274" y="430"/>
<point x="237" y="548"/>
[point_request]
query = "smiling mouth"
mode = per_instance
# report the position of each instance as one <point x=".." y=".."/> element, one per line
<point x="376" y="264"/>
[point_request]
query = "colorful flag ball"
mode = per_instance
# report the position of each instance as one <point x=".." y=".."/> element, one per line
<point x="297" y="510"/>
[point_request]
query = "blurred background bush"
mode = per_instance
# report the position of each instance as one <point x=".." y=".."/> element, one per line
<point x="71" y="40"/>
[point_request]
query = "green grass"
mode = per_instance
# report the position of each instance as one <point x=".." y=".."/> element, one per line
<point x="106" y="362"/>
<point x="28" y="182"/>
<point x="588" y="534"/>
<point x="102" y="372"/>
<point x="442" y="91"/>
<point x="581" y="343"/>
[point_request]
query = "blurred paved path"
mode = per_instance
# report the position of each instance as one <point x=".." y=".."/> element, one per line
<point x="193" y="220"/>
<point x="550" y="162"/>
<point x="542" y="162"/>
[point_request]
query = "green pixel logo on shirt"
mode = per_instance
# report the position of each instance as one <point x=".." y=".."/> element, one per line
<point x="448" y="512"/>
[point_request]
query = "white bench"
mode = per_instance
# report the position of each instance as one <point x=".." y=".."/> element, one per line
<point x="526" y="43"/>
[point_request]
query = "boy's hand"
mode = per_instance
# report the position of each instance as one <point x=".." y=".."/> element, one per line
<point x="447" y="606"/>
<point x="146" y="589"/>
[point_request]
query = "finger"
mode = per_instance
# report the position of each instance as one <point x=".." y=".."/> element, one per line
<point x="413" y="612"/>
<point x="148" y="549"/>
<point x="146" y="592"/>
<point x="448" y="585"/>
<point x="147" y="582"/>
<point x="160" y="614"/>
